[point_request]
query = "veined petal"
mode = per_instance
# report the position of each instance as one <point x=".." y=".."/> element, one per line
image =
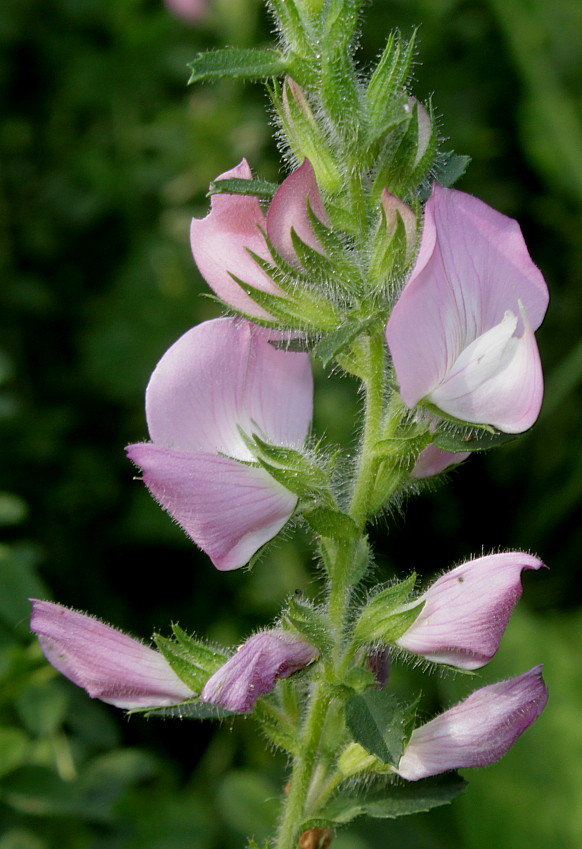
<point x="229" y="509"/>
<point x="255" y="668"/>
<point x="432" y="461"/>
<point x="222" y="375"/>
<point x="478" y="731"/>
<point x="288" y="210"/>
<point x="467" y="609"/>
<point x="221" y="242"/>
<point x="104" y="661"/>
<point x="472" y="268"/>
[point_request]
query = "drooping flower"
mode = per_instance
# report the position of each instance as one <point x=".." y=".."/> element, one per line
<point x="462" y="332"/>
<point x="255" y="668"/>
<point x="235" y="225"/>
<point x="107" y="663"/>
<point x="478" y="731"/>
<point x="218" y="377"/>
<point x="433" y="460"/>
<point x="467" y="609"/>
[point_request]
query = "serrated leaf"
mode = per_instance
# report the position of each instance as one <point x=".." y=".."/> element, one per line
<point x="236" y="186"/>
<point x="237" y="63"/>
<point x="376" y="722"/>
<point x="469" y="440"/>
<point x="449" y="167"/>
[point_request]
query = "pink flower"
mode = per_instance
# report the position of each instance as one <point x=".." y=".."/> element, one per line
<point x="255" y="668"/>
<point x="190" y="11"/>
<point x="478" y="731"/>
<point x="104" y="661"/>
<point x="235" y="225"/>
<point x="218" y="377"/>
<point x="467" y="610"/>
<point x="462" y="332"/>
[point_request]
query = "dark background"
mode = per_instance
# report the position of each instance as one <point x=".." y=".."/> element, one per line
<point x="105" y="155"/>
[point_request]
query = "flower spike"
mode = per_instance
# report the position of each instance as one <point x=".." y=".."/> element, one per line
<point x="462" y="332"/>
<point x="221" y="377"/>
<point x="107" y="663"/>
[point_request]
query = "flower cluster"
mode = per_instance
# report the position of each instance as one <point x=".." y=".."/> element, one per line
<point x="461" y="341"/>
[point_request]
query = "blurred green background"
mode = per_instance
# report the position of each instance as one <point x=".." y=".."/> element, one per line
<point x="104" y="157"/>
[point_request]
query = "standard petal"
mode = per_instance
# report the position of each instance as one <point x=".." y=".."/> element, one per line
<point x="473" y="267"/>
<point x="221" y="241"/>
<point x="288" y="210"/>
<point x="229" y="509"/>
<point x="222" y="375"/>
<point x="467" y="610"/>
<point x="432" y="461"/>
<point x="104" y="661"/>
<point x="255" y="668"/>
<point x="478" y="731"/>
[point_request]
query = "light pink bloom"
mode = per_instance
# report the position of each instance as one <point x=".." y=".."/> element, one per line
<point x="462" y="332"/>
<point x="104" y="661"/>
<point x="235" y="224"/>
<point x="255" y="668"/>
<point x="190" y="11"/>
<point x="478" y="731"/>
<point x="218" y="377"/>
<point x="432" y="461"/>
<point x="467" y="610"/>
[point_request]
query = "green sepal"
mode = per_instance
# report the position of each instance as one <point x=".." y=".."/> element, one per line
<point x="389" y="251"/>
<point x="398" y="171"/>
<point x="377" y="722"/>
<point x="384" y="101"/>
<point x="344" y="270"/>
<point x="330" y="523"/>
<point x="288" y="311"/>
<point x="448" y="167"/>
<point x="309" y="623"/>
<point x="236" y="186"/>
<point x="394" y="799"/>
<point x="291" y="26"/>
<point x="192" y="660"/>
<point x="237" y="63"/>
<point x="475" y="439"/>
<point x="379" y="621"/>
<point x="297" y="472"/>
<point x="276" y="727"/>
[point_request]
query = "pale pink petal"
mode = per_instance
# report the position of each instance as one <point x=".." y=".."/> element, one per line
<point x="467" y="609"/>
<point x="473" y="268"/>
<point x="255" y="668"/>
<point x="222" y="375"/>
<point x="104" y="661"/>
<point x="229" y="509"/>
<point x="478" y="731"/>
<point x="221" y="241"/>
<point x="433" y="461"/>
<point x="288" y="210"/>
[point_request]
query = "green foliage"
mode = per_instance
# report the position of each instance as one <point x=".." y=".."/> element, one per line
<point x="236" y="63"/>
<point x="376" y="721"/>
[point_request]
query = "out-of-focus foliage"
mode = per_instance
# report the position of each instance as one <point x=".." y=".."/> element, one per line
<point x="104" y="157"/>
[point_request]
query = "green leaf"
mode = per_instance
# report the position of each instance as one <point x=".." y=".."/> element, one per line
<point x="237" y="63"/>
<point x="378" y="621"/>
<point x="189" y="710"/>
<point x="14" y="749"/>
<point x="473" y="439"/>
<point x="331" y="523"/>
<point x="415" y="797"/>
<point x="309" y="623"/>
<point x="449" y="167"/>
<point x="335" y="342"/>
<point x="236" y="186"/>
<point x="192" y="660"/>
<point x="376" y="722"/>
